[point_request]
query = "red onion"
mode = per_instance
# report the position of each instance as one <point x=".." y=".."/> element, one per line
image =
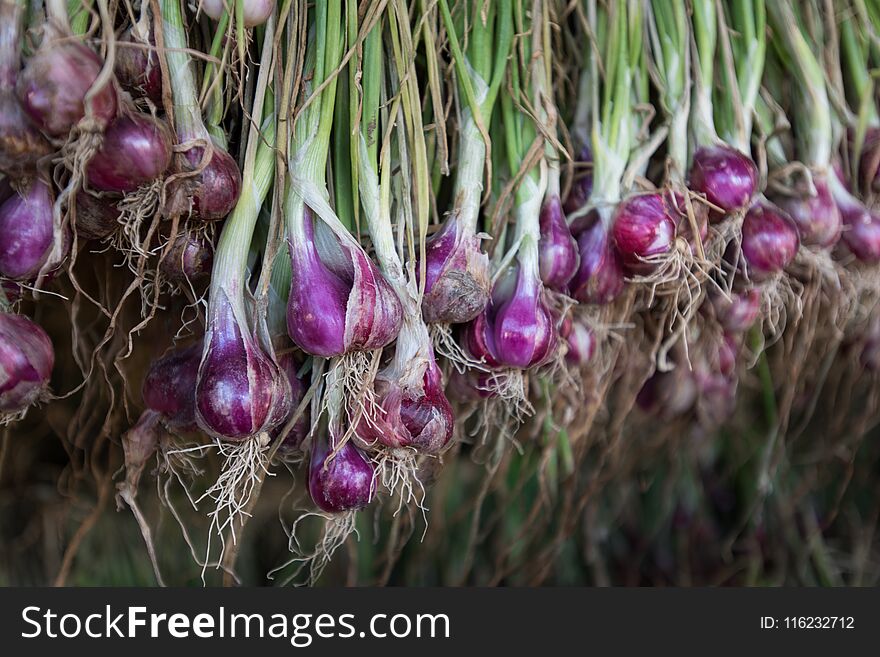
<point x="457" y="276"/>
<point x="600" y="278"/>
<point x="643" y="231"/>
<point x="26" y="232"/>
<point x="517" y="329"/>
<point x="861" y="233"/>
<point x="668" y="394"/>
<point x="256" y="12"/>
<point x="96" y="217"/>
<point x="815" y="215"/>
<point x="727" y="177"/>
<point x="341" y="482"/>
<point x="54" y="83"/>
<point x="26" y="361"/>
<point x="339" y="301"/>
<point x="769" y="240"/>
<point x="240" y="390"/>
<point x="677" y="209"/>
<point x="737" y="313"/>
<point x="170" y="386"/>
<point x="21" y="144"/>
<point x="208" y="195"/>
<point x="558" y="250"/>
<point x="137" y="65"/>
<point x="136" y="150"/>
<point x="190" y="259"/>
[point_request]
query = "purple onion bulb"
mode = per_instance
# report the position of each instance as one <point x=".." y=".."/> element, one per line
<point x="137" y="65"/>
<point x="136" y="150"/>
<point x="558" y="251"/>
<point x="211" y="193"/>
<point x="240" y="390"/>
<point x="26" y="361"/>
<point x="26" y="231"/>
<point x="600" y="277"/>
<point x="457" y="282"/>
<point x="54" y="83"/>
<point x="190" y="259"/>
<point x="256" y="12"/>
<point x="815" y="215"/>
<point x="769" y="240"/>
<point x="170" y="386"/>
<point x="727" y="177"/>
<point x="643" y="231"/>
<point x="343" y="482"/>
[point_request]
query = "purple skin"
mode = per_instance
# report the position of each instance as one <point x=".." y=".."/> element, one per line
<point x="676" y="208"/>
<point x="558" y="254"/>
<point x="190" y="259"/>
<point x="420" y="419"/>
<point x="208" y="195"/>
<point x="816" y="217"/>
<point x="642" y="229"/>
<point x="457" y="276"/>
<point x="136" y="150"/>
<point x="170" y="384"/>
<point x="581" y="345"/>
<point x="582" y="187"/>
<point x="668" y="394"/>
<point x="21" y="144"/>
<point x="769" y="240"/>
<point x="727" y="177"/>
<point x="862" y="236"/>
<point x="468" y="387"/>
<point x="96" y="217"/>
<point x="344" y="482"/>
<point x="26" y="232"/>
<point x="54" y="83"/>
<point x="738" y="314"/>
<point x="240" y="390"/>
<point x="137" y="67"/>
<point x="297" y="434"/>
<point x="27" y="359"/>
<point x="517" y="329"/>
<point x="600" y="277"/>
<point x="340" y="302"/>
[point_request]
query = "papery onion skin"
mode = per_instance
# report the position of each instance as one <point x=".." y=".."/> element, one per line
<point x="769" y="240"/>
<point x="26" y="361"/>
<point x="558" y="253"/>
<point x="240" y="391"/>
<point x="135" y="151"/>
<point x="170" y="386"/>
<point x="26" y="231"/>
<point x="54" y="83"/>
<point x="339" y="302"/>
<point x="190" y="259"/>
<point x="581" y="343"/>
<point x="457" y="279"/>
<point x="341" y="482"/>
<point x="211" y="193"/>
<point x="96" y="217"/>
<point x="727" y="177"/>
<point x="137" y="67"/>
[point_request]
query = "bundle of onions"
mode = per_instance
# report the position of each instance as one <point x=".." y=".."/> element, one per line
<point x="208" y="181"/>
<point x="457" y="273"/>
<point x="600" y="276"/>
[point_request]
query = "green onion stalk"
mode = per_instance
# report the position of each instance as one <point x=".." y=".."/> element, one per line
<point x="456" y="284"/>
